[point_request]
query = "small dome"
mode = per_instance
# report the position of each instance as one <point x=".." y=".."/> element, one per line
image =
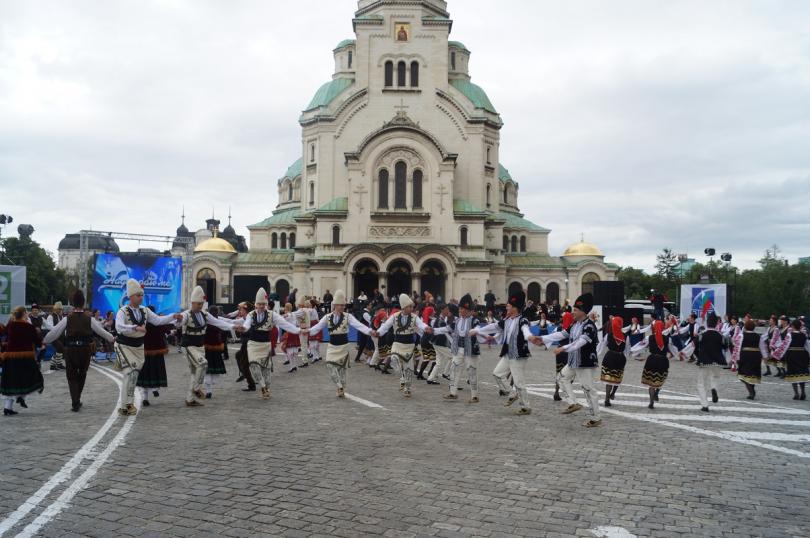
<point x="182" y="230"/>
<point x="228" y="231"/>
<point x="583" y="249"/>
<point x="215" y="244"/>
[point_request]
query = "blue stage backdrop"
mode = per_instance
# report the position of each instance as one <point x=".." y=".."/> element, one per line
<point x="161" y="276"/>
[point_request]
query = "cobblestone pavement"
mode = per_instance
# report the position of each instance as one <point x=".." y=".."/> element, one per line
<point x="305" y="463"/>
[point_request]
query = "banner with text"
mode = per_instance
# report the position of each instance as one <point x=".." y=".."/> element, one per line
<point x="160" y="276"/>
<point x="702" y="299"/>
<point x="12" y="289"/>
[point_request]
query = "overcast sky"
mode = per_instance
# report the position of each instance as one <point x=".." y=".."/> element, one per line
<point x="642" y="124"/>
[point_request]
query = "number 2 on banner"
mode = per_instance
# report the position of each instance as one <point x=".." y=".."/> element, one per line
<point x="5" y="294"/>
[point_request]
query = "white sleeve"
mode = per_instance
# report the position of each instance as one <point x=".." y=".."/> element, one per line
<point x="219" y="323"/>
<point x="47" y="324"/>
<point x="279" y="321"/>
<point x="492" y="328"/>
<point x="555" y="337"/>
<point x="55" y="332"/>
<point x="385" y="327"/>
<point x="420" y="325"/>
<point x="121" y="325"/>
<point x="640" y="347"/>
<point x="359" y="326"/>
<point x="154" y="319"/>
<point x="98" y="328"/>
<point x="601" y="347"/>
<point x="318" y="327"/>
<point x="527" y="333"/>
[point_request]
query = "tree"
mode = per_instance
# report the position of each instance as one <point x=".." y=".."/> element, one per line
<point x="667" y="265"/>
<point x="636" y="282"/>
<point x="44" y="281"/>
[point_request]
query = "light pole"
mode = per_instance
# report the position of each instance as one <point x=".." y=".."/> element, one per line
<point x="726" y="257"/>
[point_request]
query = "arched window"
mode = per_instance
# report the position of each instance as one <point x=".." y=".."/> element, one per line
<point x="464" y="239"/>
<point x="505" y="195"/>
<point x="514" y="243"/>
<point x="506" y="243"/>
<point x="311" y="193"/>
<point x="414" y="74"/>
<point x="312" y="153"/>
<point x="389" y="74"/>
<point x="489" y="155"/>
<point x="523" y="243"/>
<point x="533" y="292"/>
<point x="335" y="235"/>
<point x="382" y="190"/>
<point x="400" y="181"/>
<point x="402" y="70"/>
<point x="274" y="241"/>
<point x="489" y="193"/>
<point x="292" y="239"/>
<point x="289" y="191"/>
<point x="453" y="61"/>
<point x="417" y="189"/>
<point x="351" y="57"/>
<point x="283" y="241"/>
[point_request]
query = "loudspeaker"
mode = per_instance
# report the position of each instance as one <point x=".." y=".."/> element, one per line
<point x="608" y="294"/>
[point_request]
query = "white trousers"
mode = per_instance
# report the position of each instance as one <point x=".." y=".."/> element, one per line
<point x="129" y="381"/>
<point x="706" y="380"/>
<point x="516" y="367"/>
<point x="443" y="360"/>
<point x="197" y="365"/>
<point x="337" y="373"/>
<point x="586" y="377"/>
<point x="459" y="363"/>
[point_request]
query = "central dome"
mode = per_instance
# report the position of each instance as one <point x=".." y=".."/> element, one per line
<point x="583" y="249"/>
<point x="215" y="244"/>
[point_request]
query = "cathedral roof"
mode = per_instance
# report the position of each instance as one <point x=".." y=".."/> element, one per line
<point x="517" y="222"/>
<point x="94" y="242"/>
<point x="328" y="92"/>
<point x="583" y="249"/>
<point x="458" y="45"/>
<point x="285" y="217"/>
<point x="338" y="205"/>
<point x="294" y="170"/>
<point x="477" y="96"/>
<point x="345" y="43"/>
<point x="215" y="244"/>
<point x="265" y="257"/>
<point x="503" y="174"/>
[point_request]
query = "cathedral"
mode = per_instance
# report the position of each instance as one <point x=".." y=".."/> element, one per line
<point x="398" y="186"/>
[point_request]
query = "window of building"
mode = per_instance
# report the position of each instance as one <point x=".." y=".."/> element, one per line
<point x="382" y="190"/>
<point x="312" y="153"/>
<point x="289" y="191"/>
<point x="514" y="243"/>
<point x="311" y="193"/>
<point x="351" y="57"/>
<point x="389" y="74"/>
<point x="505" y="195"/>
<point x="489" y="192"/>
<point x="523" y="243"/>
<point x="489" y="155"/>
<point x="402" y="71"/>
<point x="283" y="241"/>
<point x="506" y="243"/>
<point x="414" y="74"/>
<point x="292" y="239"/>
<point x="464" y="239"/>
<point x="400" y="185"/>
<point x="274" y="241"/>
<point x="417" y="189"/>
<point x="453" y="61"/>
<point x="335" y="235"/>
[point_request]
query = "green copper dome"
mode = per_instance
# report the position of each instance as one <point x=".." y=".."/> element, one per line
<point x="328" y="92"/>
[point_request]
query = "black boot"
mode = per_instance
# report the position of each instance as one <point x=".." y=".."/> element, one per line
<point x="9" y="412"/>
<point x="557" y="397"/>
<point x="751" y="391"/>
<point x="608" y="389"/>
<point x="795" y="391"/>
<point x="715" y="396"/>
<point x="652" y="398"/>
<point x="657" y="391"/>
<point x="21" y="402"/>
<point x="767" y="370"/>
<point x="803" y="395"/>
<point x="613" y="392"/>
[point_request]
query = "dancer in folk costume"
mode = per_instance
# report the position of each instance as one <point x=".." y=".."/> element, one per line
<point x="314" y="340"/>
<point x="747" y="353"/>
<point x="441" y="342"/>
<point x="195" y="323"/>
<point x="765" y="344"/>
<point x="215" y="345"/>
<point x="689" y="333"/>
<point x="405" y="325"/>
<point x="425" y="344"/>
<point x="153" y="373"/>
<point x="615" y="346"/>
<point x="710" y="360"/>
<point x="582" y="360"/>
<point x="464" y="348"/>
<point x="362" y="339"/>
<point x="290" y="342"/>
<point x="656" y="367"/>
<point x="259" y="325"/>
<point x="76" y="333"/>
<point x="337" y="323"/>
<point x="21" y="374"/>
<point x="779" y="346"/>
<point x="514" y="332"/>
<point x="130" y="325"/>
<point x="302" y="318"/>
<point x="560" y="359"/>
<point x="381" y="359"/>
<point x="48" y="323"/>
<point x="796" y="358"/>
<point x="730" y="330"/>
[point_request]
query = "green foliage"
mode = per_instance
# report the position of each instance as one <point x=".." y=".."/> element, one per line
<point x="667" y="265"/>
<point x="45" y="283"/>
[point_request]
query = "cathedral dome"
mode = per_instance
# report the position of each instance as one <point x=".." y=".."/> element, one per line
<point x="583" y="249"/>
<point x="215" y="244"/>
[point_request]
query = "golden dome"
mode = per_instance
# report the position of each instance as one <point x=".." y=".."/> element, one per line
<point x="215" y="244"/>
<point x="583" y="249"/>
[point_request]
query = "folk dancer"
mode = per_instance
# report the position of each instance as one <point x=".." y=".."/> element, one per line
<point x="259" y="325"/>
<point x="48" y="323"/>
<point x="464" y="348"/>
<point x="441" y="342"/>
<point x="779" y="346"/>
<point x="710" y="359"/>
<point x="615" y="358"/>
<point x="514" y="332"/>
<point x="405" y="325"/>
<point x="337" y="323"/>
<point x="381" y="359"/>
<point x="215" y="345"/>
<point x="21" y="374"/>
<point x="582" y="360"/>
<point x="76" y="333"/>
<point x="765" y="345"/>
<point x="747" y="353"/>
<point x="561" y="359"/>
<point x="241" y="355"/>
<point x="796" y="359"/>
<point x="130" y="324"/>
<point x="656" y="367"/>
<point x="153" y="374"/>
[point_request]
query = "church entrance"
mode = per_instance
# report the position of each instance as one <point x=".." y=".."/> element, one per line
<point x="366" y="278"/>
<point x="433" y="278"/>
<point x="282" y="289"/>
<point x="207" y="280"/>
<point x="399" y="278"/>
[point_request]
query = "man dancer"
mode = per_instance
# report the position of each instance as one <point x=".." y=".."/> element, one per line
<point x="48" y="323"/>
<point x="710" y="359"/>
<point x="515" y="332"/>
<point x="259" y="325"/>
<point x="337" y="351"/>
<point x="582" y="360"/>
<point x="130" y="325"/>
<point x="78" y="329"/>
<point x="442" y="343"/>
<point x="765" y="343"/>
<point x="464" y="349"/>
<point x="405" y="325"/>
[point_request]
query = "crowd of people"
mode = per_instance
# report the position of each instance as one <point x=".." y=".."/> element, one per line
<point x="419" y="337"/>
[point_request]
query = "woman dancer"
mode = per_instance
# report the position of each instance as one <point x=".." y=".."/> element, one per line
<point x="615" y="359"/>
<point x="21" y="374"/>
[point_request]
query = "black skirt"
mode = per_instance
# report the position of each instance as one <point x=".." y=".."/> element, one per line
<point x="216" y="365"/>
<point x="797" y="365"/>
<point x="749" y="368"/>
<point x="21" y="376"/>
<point x="656" y="370"/>
<point x="153" y="373"/>
<point x="613" y="367"/>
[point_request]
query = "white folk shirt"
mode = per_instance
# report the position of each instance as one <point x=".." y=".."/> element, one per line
<point x="353" y="321"/>
<point x="125" y="328"/>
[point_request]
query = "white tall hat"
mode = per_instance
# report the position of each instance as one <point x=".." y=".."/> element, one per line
<point x="198" y="295"/>
<point x="339" y="298"/>
<point x="261" y="297"/>
<point x="133" y="287"/>
<point x="57" y="305"/>
<point x="404" y="301"/>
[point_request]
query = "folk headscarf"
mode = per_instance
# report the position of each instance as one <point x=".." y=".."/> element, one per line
<point x="617" y="324"/>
